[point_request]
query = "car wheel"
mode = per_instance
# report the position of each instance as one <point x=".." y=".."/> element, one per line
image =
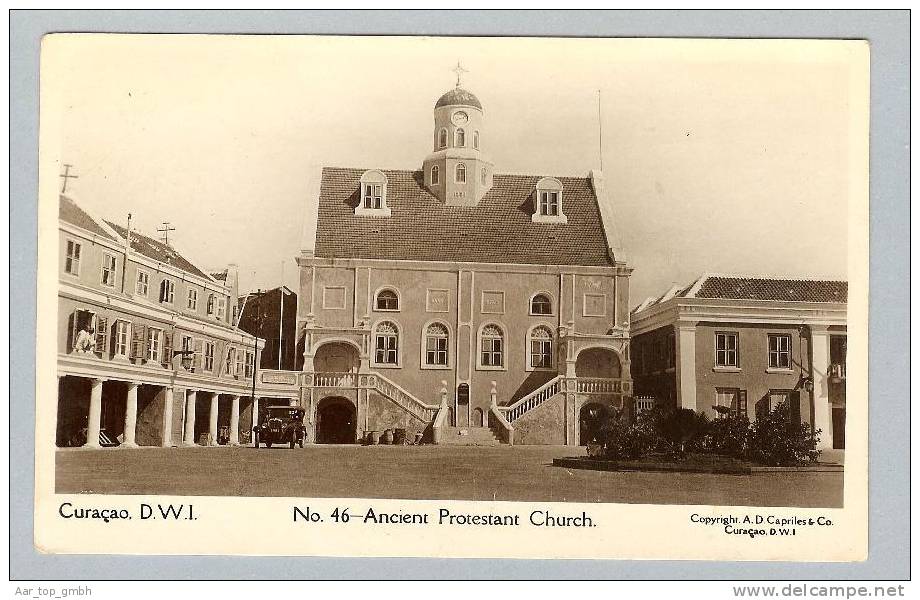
<point x="268" y="444"/>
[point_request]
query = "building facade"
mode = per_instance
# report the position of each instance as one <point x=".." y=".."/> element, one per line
<point x="271" y="315"/>
<point x="148" y="354"/>
<point x="459" y="303"/>
<point x="747" y="344"/>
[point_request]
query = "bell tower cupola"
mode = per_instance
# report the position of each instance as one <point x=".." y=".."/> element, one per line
<point x="457" y="171"/>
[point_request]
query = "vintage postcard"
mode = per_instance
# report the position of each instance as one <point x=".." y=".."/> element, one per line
<point x="453" y="297"/>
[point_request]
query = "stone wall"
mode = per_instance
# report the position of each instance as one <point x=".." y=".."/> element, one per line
<point x="384" y="414"/>
<point x="543" y="424"/>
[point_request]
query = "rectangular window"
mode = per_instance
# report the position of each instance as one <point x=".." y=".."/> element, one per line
<point x="780" y="356"/>
<point x="154" y="336"/>
<point x="192" y="303"/>
<point x="187" y="346"/>
<point x="491" y="352"/>
<point x="541" y="354"/>
<point x="726" y="349"/>
<point x="72" y="260"/>
<point x="549" y="204"/>
<point x="231" y="358"/>
<point x="209" y="356"/>
<point x="102" y="336"/>
<point x="373" y="196"/>
<point x="728" y="398"/>
<point x="221" y="307"/>
<point x="249" y="364"/>
<point x="142" y="285"/>
<point x="387" y="349"/>
<point x="167" y="291"/>
<point x="436" y="351"/>
<point x="108" y="269"/>
<point x="238" y="368"/>
<point x="122" y="338"/>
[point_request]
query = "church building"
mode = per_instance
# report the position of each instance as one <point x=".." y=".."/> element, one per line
<point x="460" y="303"/>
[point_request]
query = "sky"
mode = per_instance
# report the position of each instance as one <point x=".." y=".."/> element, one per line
<point x="719" y="156"/>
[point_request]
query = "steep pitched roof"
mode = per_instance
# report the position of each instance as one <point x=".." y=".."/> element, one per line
<point x="70" y="212"/>
<point x="498" y="230"/>
<point x="158" y="251"/>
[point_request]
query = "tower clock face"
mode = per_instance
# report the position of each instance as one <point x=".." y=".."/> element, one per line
<point x="460" y="118"/>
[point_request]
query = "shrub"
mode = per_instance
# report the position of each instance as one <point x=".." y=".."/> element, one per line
<point x="625" y="441"/>
<point x="728" y="435"/>
<point x="681" y="429"/>
<point x="774" y="441"/>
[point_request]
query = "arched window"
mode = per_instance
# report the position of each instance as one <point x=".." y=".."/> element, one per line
<point x="540" y="304"/>
<point x="460" y="140"/>
<point x="492" y="346"/>
<point x="461" y="173"/>
<point x="482" y="176"/>
<point x="435" y="175"/>
<point x="386" y="344"/>
<point x="436" y="344"/>
<point x="476" y="140"/>
<point x="373" y="194"/>
<point x="442" y="138"/>
<point x="387" y="300"/>
<point x="548" y="199"/>
<point x="541" y="348"/>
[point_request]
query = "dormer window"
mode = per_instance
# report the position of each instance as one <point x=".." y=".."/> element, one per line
<point x="373" y="195"/>
<point x="460" y="140"/>
<point x="548" y="202"/>
<point x="460" y="175"/>
<point x="442" y="138"/>
<point x="373" y="200"/>
<point x="435" y="175"/>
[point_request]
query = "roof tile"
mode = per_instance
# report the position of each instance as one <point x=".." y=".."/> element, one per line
<point x="421" y="227"/>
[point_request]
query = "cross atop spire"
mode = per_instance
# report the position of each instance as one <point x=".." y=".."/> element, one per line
<point x="66" y="174"/>
<point x="459" y="70"/>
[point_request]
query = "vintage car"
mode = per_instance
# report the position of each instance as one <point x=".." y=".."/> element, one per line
<point x="280" y="425"/>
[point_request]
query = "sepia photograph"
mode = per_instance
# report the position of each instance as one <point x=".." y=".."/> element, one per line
<point x="574" y="272"/>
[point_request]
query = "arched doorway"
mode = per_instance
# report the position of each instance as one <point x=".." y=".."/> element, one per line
<point x="478" y="417"/>
<point x="336" y="421"/>
<point x="591" y="419"/>
<point x="598" y="362"/>
<point x="336" y="357"/>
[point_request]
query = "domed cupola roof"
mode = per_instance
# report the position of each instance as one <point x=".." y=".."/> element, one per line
<point x="458" y="96"/>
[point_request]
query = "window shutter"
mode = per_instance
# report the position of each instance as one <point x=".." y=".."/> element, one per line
<point x="742" y="402"/>
<point x="166" y="356"/>
<point x="102" y="336"/>
<point x="199" y="348"/>
<point x="72" y="340"/>
<point x="139" y="342"/>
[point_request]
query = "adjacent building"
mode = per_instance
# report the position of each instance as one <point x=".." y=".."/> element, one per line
<point x="272" y="316"/>
<point x="460" y="302"/>
<point x="748" y="344"/>
<point x="147" y="351"/>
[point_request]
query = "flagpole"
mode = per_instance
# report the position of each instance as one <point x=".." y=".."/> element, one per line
<point x="281" y="318"/>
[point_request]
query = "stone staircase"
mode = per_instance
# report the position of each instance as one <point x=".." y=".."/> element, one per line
<point x="468" y="436"/>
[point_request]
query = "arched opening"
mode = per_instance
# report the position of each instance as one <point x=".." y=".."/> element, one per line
<point x="336" y="421"/>
<point x="478" y="418"/>
<point x="336" y="357"/>
<point x="463" y="405"/>
<point x="591" y="419"/>
<point x="598" y="362"/>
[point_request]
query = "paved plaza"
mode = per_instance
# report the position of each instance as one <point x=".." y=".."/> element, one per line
<point x="423" y="472"/>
